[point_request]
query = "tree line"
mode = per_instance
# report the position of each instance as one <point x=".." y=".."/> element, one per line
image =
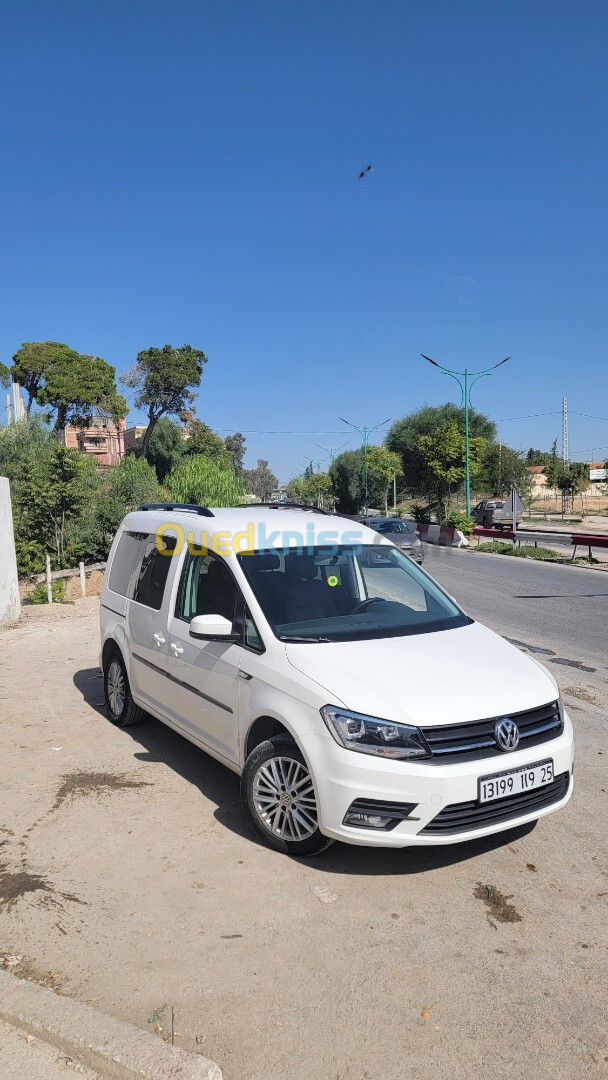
<point x="63" y="504"/>
<point x="424" y="453"/>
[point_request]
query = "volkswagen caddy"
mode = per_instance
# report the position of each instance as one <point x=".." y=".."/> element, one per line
<point x="338" y="685"/>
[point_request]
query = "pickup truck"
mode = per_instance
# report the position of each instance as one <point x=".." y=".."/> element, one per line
<point x="491" y="514"/>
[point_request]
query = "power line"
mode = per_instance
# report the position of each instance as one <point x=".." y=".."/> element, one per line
<point x="590" y="416"/>
<point x="263" y="431"/>
<point x="530" y="416"/>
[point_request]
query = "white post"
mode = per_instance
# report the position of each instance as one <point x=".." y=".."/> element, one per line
<point x="9" y="582"/>
<point x="514" y="502"/>
<point x="395" y="489"/>
<point x="83" y="580"/>
<point x="49" y="586"/>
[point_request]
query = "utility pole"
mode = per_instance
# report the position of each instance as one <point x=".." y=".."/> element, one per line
<point x="470" y="378"/>
<point x="365" y="433"/>
<point x="565" y="454"/>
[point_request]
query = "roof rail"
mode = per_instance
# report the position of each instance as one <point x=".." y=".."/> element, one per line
<point x="289" y="506"/>
<point x="202" y="511"/>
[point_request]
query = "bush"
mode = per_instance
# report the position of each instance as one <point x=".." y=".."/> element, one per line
<point x="420" y="513"/>
<point x="461" y="522"/>
<point x="202" y="480"/>
<point x="496" y="547"/>
<point x="40" y="595"/>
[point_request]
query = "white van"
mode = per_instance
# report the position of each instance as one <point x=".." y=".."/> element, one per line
<point x="337" y="685"/>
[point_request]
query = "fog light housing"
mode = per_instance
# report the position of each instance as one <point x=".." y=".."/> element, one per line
<point x="378" y="815"/>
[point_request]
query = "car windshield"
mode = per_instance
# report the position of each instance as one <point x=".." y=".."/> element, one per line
<point x="395" y="526"/>
<point x="347" y="593"/>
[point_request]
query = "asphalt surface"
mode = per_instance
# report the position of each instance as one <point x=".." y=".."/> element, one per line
<point x="563" y="609"/>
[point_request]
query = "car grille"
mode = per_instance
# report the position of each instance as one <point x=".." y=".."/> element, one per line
<point x="464" y="817"/>
<point x="468" y="742"/>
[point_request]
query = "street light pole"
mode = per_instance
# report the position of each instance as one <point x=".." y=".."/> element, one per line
<point x="470" y="378"/>
<point x="331" y="452"/>
<point x="365" y="433"/>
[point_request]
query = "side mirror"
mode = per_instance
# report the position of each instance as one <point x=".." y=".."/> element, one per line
<point x="212" y="628"/>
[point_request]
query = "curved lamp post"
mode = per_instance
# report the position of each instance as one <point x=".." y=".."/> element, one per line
<point x="470" y="378"/>
<point x="365" y="433"/>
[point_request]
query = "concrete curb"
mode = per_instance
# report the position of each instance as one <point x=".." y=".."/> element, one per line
<point x="112" y="1048"/>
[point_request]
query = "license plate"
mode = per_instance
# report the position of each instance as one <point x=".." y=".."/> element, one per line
<point x="516" y="781"/>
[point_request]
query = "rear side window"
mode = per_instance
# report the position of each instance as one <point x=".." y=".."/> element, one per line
<point x="124" y="562"/>
<point x="153" y="572"/>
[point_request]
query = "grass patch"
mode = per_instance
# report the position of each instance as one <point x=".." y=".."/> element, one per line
<point x="584" y="560"/>
<point x="39" y="595"/>
<point x="543" y="554"/>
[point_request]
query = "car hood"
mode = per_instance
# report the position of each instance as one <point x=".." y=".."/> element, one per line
<point x="447" y="677"/>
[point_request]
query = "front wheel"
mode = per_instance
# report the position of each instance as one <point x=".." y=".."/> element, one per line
<point x="279" y="796"/>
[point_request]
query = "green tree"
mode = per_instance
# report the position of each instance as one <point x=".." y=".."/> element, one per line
<point x="5" y="375"/>
<point x="403" y="439"/>
<point x="122" y="489"/>
<point x="163" y="381"/>
<point x="553" y="466"/>
<point x="260" y="481"/>
<point x="314" y="490"/>
<point x="76" y="387"/>
<point x="504" y="468"/>
<point x="382" y="466"/>
<point x="30" y="364"/>
<point x="51" y="496"/>
<point x="204" y="440"/>
<point x="443" y="455"/>
<point x="166" y="447"/>
<point x="235" y="445"/>
<point x="79" y="387"/>
<point x="346" y="472"/>
<point x="199" y="479"/>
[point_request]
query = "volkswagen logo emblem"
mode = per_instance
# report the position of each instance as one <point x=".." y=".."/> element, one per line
<point x="506" y="733"/>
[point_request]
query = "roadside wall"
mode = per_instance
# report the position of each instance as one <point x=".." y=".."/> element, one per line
<point x="10" y="607"/>
<point x="445" y="535"/>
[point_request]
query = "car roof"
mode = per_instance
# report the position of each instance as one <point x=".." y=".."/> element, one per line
<point x="260" y="527"/>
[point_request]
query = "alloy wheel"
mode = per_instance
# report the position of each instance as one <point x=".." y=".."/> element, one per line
<point x="115" y="684"/>
<point x="284" y="798"/>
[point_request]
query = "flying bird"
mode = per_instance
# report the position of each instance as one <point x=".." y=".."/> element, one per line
<point x="364" y="172"/>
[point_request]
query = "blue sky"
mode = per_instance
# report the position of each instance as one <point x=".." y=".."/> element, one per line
<point x="186" y="172"/>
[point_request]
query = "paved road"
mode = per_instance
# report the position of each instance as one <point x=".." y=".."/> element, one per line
<point x="561" y="608"/>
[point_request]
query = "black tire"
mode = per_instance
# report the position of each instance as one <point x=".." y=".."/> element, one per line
<point x="122" y="710"/>
<point x="282" y="749"/>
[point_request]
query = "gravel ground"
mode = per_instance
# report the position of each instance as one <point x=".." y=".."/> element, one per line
<point x="129" y="878"/>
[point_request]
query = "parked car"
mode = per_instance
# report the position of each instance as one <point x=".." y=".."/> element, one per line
<point x="339" y="689"/>
<point x="491" y="514"/>
<point x="400" y="533"/>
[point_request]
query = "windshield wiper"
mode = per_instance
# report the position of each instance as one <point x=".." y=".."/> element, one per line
<point x="298" y="640"/>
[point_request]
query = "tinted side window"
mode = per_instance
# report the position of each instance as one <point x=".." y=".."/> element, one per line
<point x="124" y="562"/>
<point x="153" y="573"/>
<point x="207" y="588"/>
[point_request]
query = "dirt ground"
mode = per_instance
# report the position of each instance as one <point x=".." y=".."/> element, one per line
<point x="129" y="878"/>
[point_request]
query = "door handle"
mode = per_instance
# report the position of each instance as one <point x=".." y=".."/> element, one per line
<point x="176" y="647"/>
<point x="159" y="639"/>
<point x="245" y="675"/>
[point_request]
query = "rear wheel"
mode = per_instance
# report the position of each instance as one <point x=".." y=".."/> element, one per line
<point x="279" y="796"/>
<point x="117" y="692"/>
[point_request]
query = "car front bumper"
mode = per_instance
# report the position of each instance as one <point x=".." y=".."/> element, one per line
<point x="345" y="776"/>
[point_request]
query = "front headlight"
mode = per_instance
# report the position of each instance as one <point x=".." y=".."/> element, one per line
<point x="369" y="735"/>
